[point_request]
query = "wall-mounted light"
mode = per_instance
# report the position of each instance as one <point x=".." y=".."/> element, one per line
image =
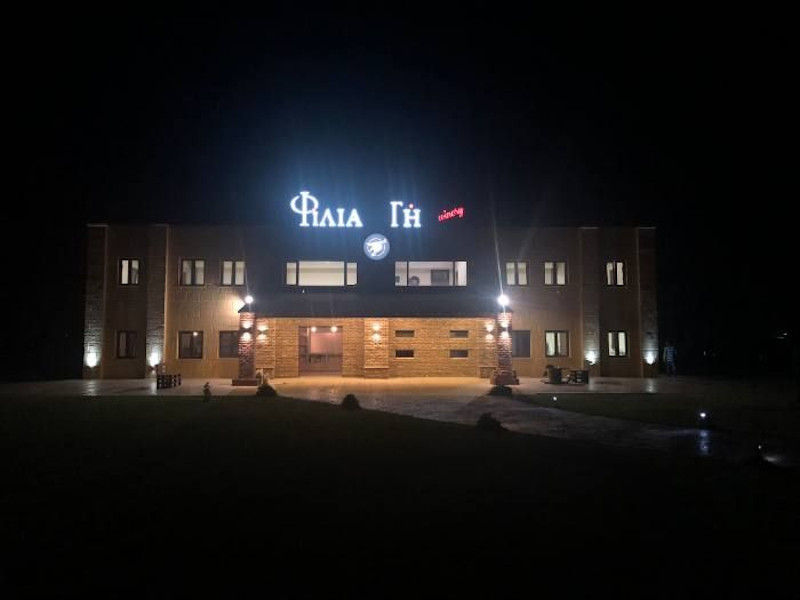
<point x="246" y="336"/>
<point x="504" y="335"/>
<point x="650" y="358"/>
<point x="591" y="357"/>
<point x="262" y="337"/>
<point x="490" y="326"/>
<point x="247" y="324"/>
<point x="376" y="326"/>
<point x="376" y="337"/>
<point x="248" y="299"/>
<point x="334" y="329"/>
<point x="489" y="337"/>
<point x="263" y="327"/>
<point x="91" y="359"/>
<point x="313" y="329"/>
<point x="504" y="323"/>
<point x="194" y="334"/>
<point x="502" y="300"/>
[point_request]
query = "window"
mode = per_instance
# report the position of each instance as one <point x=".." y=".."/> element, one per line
<point x="520" y="343"/>
<point x="615" y="273"/>
<point x="404" y="354"/>
<point x="190" y="344"/>
<point x="459" y="353"/>
<point x="459" y="333"/>
<point x="193" y="272"/>
<point x="228" y="344"/>
<point x="129" y="271"/>
<point x="126" y="344"/>
<point x="517" y="273"/>
<point x="321" y="273"/>
<point x="555" y="273"/>
<point x="430" y="273"/>
<point x="556" y="343"/>
<point x="404" y="333"/>
<point x="617" y="343"/>
<point x="232" y="272"/>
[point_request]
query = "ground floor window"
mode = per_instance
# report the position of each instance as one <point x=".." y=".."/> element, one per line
<point x="521" y="343"/>
<point x="430" y="273"/>
<point x="228" y="344"/>
<point x="617" y="343"/>
<point x="126" y="344"/>
<point x="190" y="344"/>
<point x="556" y="343"/>
<point x="404" y="354"/>
<point x="321" y="273"/>
<point x="459" y="353"/>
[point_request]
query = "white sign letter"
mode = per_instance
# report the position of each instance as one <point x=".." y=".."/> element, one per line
<point x="303" y="209"/>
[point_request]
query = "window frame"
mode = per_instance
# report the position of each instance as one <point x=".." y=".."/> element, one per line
<point x="191" y="333"/>
<point x="233" y="262"/>
<point x="516" y="264"/>
<point x="397" y="333"/>
<point x="464" y="350"/>
<point x="459" y="331"/>
<point x="138" y="272"/>
<point x="296" y="262"/>
<point x="530" y="338"/>
<point x="128" y="333"/>
<point x="615" y="282"/>
<point x="616" y="333"/>
<point x="555" y="264"/>
<point x="558" y="353"/>
<point x="194" y="262"/>
<point x="219" y="346"/>
<point x="398" y="350"/>
<point x="452" y="271"/>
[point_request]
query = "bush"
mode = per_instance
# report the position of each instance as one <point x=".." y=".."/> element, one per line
<point x="487" y="422"/>
<point x="500" y="390"/>
<point x="206" y="392"/>
<point x="265" y="390"/>
<point x="350" y="402"/>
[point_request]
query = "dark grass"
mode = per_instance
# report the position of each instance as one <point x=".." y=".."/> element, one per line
<point x="762" y="414"/>
<point x="153" y="497"/>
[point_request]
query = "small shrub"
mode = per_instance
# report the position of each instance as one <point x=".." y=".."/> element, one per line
<point x="500" y="390"/>
<point x="265" y="390"/>
<point x="350" y="402"/>
<point x="486" y="422"/>
<point x="206" y="392"/>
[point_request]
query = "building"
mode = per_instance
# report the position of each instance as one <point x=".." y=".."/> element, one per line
<point x="387" y="289"/>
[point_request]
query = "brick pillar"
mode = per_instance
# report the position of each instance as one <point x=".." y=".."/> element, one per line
<point x="94" y="314"/>
<point x="504" y="375"/>
<point x="247" y="349"/>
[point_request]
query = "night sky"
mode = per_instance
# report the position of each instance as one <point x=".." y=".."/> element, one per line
<point x="674" y="121"/>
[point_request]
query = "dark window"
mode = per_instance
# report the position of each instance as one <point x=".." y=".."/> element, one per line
<point x="232" y="272"/>
<point x="404" y="333"/>
<point x="129" y="271"/>
<point x="617" y="343"/>
<point x="516" y="273"/>
<point x="459" y="333"/>
<point x="521" y="343"/>
<point x="459" y="353"/>
<point x="404" y="354"/>
<point x="555" y="273"/>
<point x="193" y="272"/>
<point x="228" y="344"/>
<point x="190" y="344"/>
<point x="615" y="273"/>
<point x="556" y="343"/>
<point x="126" y="344"/>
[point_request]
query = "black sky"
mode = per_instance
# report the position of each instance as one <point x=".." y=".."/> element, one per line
<point x="674" y="120"/>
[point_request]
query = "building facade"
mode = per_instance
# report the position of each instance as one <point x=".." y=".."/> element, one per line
<point x="386" y="290"/>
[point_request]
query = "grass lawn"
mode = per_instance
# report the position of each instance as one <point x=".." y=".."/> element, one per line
<point x="153" y="496"/>
<point x="771" y="411"/>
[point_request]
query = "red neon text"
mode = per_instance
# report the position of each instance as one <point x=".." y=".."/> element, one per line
<point x="451" y="214"/>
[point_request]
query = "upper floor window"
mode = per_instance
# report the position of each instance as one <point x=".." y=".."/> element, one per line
<point x="459" y="333"/>
<point x="129" y="271"/>
<point x="126" y="344"/>
<point x="228" y="344"/>
<point x="330" y="273"/>
<point x="556" y="343"/>
<point x="520" y="343"/>
<point x="555" y="273"/>
<point x="232" y="272"/>
<point x="404" y="333"/>
<point x="617" y="343"/>
<point x="517" y="273"/>
<point x="190" y="344"/>
<point x="193" y="271"/>
<point x="430" y="273"/>
<point x="615" y="273"/>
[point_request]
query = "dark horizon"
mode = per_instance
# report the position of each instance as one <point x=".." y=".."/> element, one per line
<point x="672" y="124"/>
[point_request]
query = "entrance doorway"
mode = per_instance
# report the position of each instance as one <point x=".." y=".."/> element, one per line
<point x="320" y="349"/>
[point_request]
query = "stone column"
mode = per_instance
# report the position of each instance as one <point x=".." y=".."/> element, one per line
<point x="504" y="375"/>
<point x="247" y="350"/>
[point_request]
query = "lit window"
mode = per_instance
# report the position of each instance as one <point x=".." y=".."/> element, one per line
<point x="615" y="273"/>
<point x="404" y="354"/>
<point x="190" y="344"/>
<point x="126" y="344"/>
<point x="517" y="273"/>
<point x="617" y="343"/>
<point x="228" y="344"/>
<point x="321" y="273"/>
<point x="232" y="272"/>
<point x="556" y="343"/>
<point x="129" y="271"/>
<point x="555" y="273"/>
<point x="430" y="273"/>
<point x="193" y="272"/>
<point x="404" y="333"/>
<point x="520" y="343"/>
<point x="459" y="333"/>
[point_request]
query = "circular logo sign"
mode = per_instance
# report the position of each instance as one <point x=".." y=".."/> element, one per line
<point x="376" y="246"/>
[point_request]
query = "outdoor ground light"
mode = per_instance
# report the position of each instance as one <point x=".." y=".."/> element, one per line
<point x="591" y="357"/>
<point x="91" y="359"/>
<point x="502" y="300"/>
<point x="555" y="398"/>
<point x="248" y="299"/>
<point x="650" y="358"/>
<point x="154" y="358"/>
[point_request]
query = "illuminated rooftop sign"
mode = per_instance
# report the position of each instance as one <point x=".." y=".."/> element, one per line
<point x="308" y="207"/>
